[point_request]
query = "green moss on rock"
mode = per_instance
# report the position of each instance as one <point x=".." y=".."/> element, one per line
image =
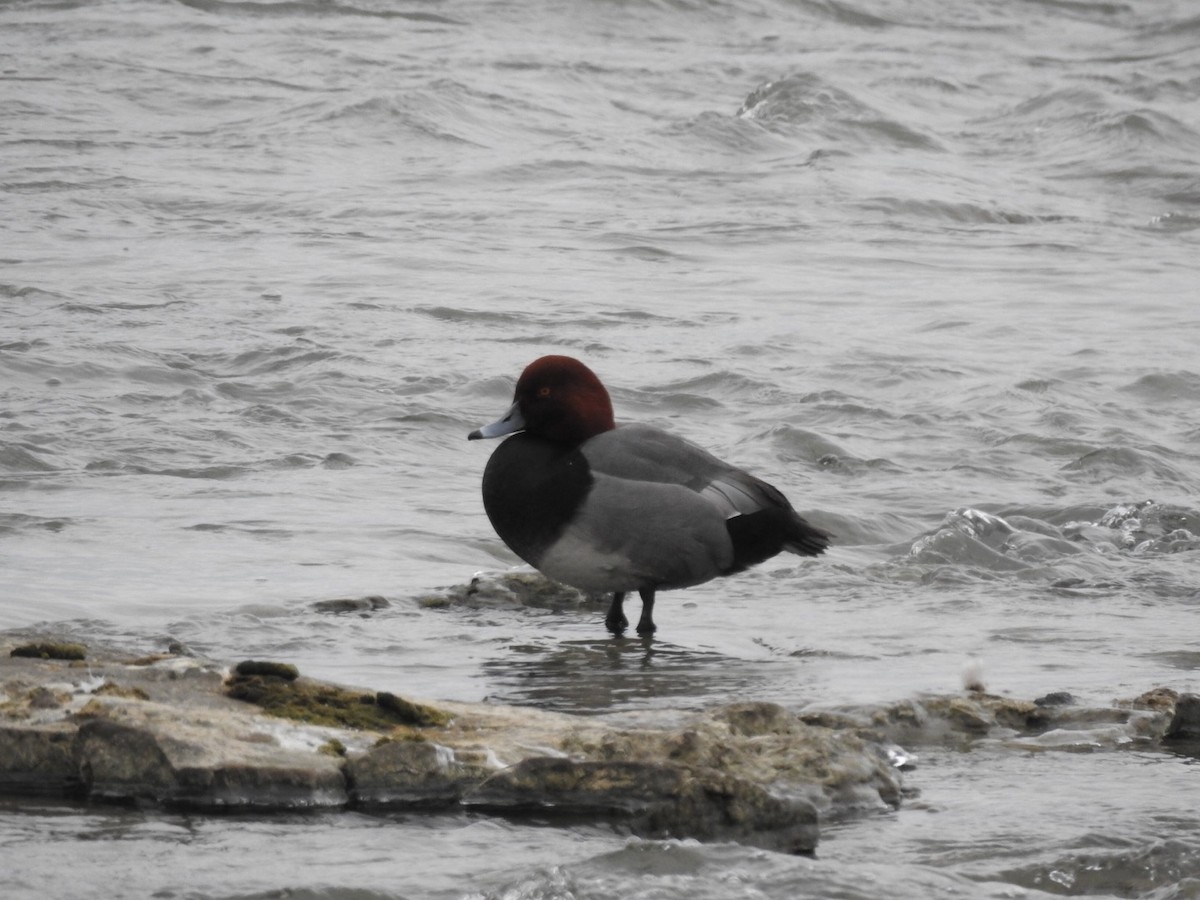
<point x="286" y="671"/>
<point x="399" y="735"/>
<point x="412" y="713"/>
<point x="332" y="747"/>
<point x="112" y="689"/>
<point x="50" y="650"/>
<point x="326" y="704"/>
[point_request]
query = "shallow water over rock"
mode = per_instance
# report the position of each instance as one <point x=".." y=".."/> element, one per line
<point x="175" y="735"/>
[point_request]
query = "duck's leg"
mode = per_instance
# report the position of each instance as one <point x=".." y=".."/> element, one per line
<point x="646" y="626"/>
<point x="615" y="621"/>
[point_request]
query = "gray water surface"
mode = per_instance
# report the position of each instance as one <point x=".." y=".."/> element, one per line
<point x="928" y="268"/>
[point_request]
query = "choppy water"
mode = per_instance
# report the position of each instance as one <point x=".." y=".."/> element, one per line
<point x="928" y="267"/>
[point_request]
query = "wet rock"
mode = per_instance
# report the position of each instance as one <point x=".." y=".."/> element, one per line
<point x="1159" y="699"/>
<point x="758" y="718"/>
<point x="170" y="732"/>
<point x="38" y="759"/>
<point x="1185" y="723"/>
<point x="212" y="761"/>
<point x="762" y="744"/>
<point x="176" y="731"/>
<point x="1055" y="698"/>
<point x="411" y="773"/>
<point x="258" y="786"/>
<point x="960" y="721"/>
<point x="122" y="762"/>
<point x="657" y="799"/>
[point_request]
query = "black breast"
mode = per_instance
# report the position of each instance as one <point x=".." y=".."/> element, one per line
<point x="532" y="488"/>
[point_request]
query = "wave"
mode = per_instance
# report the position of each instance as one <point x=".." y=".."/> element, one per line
<point x="805" y="103"/>
<point x="1166" y="387"/>
<point x="956" y="212"/>
<point x="1173" y="221"/>
<point x="16" y="458"/>
<point x="1067" y="555"/>
<point x="1107" y="463"/>
<point x="29" y="292"/>
<point x="310" y="8"/>
<point x="1082" y="132"/>
<point x="1164" y="868"/>
<point x="17" y="523"/>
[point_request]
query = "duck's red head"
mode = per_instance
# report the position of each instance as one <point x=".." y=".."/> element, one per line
<point x="562" y="399"/>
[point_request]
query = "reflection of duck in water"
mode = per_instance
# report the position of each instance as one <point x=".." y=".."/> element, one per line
<point x="631" y="508"/>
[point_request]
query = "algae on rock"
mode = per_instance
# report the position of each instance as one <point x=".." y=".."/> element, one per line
<point x="278" y="690"/>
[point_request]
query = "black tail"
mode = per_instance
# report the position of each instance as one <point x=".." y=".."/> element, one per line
<point x="758" y="536"/>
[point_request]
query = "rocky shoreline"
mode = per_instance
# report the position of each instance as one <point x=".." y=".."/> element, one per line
<point x="91" y="723"/>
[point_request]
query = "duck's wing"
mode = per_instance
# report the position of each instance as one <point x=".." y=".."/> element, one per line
<point x="761" y="519"/>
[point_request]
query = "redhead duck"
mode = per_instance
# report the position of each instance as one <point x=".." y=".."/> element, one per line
<point x="630" y="508"/>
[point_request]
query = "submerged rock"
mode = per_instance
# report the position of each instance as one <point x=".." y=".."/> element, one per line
<point x="516" y="587"/>
<point x="361" y="605"/>
<point x="959" y="721"/>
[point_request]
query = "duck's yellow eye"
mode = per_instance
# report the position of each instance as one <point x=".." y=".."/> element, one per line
<point x="543" y="392"/>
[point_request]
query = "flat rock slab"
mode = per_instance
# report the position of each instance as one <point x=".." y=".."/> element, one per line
<point x="177" y="731"/>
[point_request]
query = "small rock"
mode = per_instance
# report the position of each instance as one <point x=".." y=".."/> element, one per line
<point x="1161" y="699"/>
<point x="338" y="461"/>
<point x="1056" y="698"/>
<point x="249" y="667"/>
<point x="518" y="587"/>
<point x="352" y="605"/>
<point x="1185" y="725"/>
<point x="44" y="698"/>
